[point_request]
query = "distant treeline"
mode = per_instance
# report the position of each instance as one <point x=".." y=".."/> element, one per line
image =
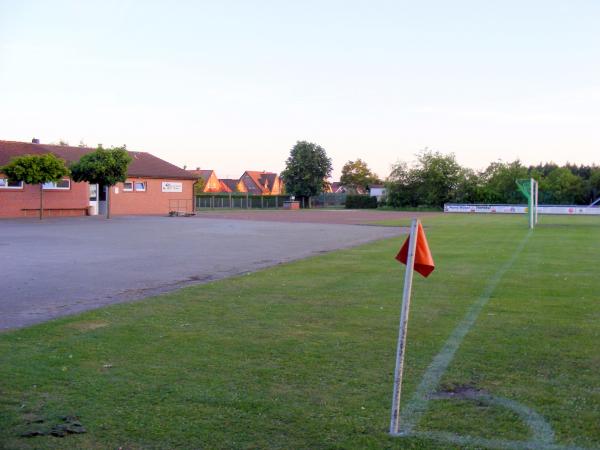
<point x="437" y="178"/>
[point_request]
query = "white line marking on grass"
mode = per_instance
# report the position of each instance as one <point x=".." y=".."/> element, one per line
<point x="492" y="443"/>
<point x="416" y="407"/>
<point x="542" y="433"/>
<point x="541" y="430"/>
<point x="543" y="436"/>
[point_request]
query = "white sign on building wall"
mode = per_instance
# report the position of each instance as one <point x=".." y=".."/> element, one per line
<point x="171" y="186"/>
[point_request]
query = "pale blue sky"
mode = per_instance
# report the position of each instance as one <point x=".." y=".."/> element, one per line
<point x="231" y="85"/>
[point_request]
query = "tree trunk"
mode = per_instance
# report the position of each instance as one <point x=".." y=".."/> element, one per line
<point x="41" y="200"/>
<point x="108" y="202"/>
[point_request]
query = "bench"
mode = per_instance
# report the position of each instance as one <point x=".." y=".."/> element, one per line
<point x="56" y="212"/>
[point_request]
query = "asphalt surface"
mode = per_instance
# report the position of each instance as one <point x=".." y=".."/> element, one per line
<point x="58" y="267"/>
<point x="316" y="215"/>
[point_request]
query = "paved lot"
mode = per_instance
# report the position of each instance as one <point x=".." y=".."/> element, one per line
<point x="339" y="216"/>
<point x="63" y="266"/>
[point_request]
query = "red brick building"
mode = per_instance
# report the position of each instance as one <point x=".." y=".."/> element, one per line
<point x="153" y="186"/>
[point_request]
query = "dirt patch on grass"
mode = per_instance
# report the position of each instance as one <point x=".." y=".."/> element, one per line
<point x="461" y="391"/>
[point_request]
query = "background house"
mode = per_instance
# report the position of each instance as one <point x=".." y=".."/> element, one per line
<point x="229" y="185"/>
<point x="337" y="188"/>
<point x="251" y="182"/>
<point x="210" y="180"/>
<point x="377" y="190"/>
<point x="261" y="183"/>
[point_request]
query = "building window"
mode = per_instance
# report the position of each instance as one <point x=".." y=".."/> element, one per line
<point x="64" y="184"/>
<point x="140" y="186"/>
<point x="128" y="186"/>
<point x="6" y="184"/>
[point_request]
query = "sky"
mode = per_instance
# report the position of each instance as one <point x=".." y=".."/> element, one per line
<point x="232" y="85"/>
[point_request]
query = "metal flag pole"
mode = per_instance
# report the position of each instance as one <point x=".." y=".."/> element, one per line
<point x="408" y="277"/>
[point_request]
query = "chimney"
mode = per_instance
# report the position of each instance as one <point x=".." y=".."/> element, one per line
<point x="35" y="141"/>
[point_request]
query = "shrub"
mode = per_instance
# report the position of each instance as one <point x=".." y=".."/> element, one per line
<point x="360" y="202"/>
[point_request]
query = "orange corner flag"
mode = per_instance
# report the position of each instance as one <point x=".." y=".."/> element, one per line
<point x="423" y="261"/>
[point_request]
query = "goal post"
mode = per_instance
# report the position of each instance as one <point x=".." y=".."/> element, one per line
<point x="535" y="202"/>
<point x="529" y="188"/>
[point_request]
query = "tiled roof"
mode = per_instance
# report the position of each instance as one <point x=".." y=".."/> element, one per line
<point x="147" y="165"/>
<point x="270" y="178"/>
<point x="11" y="149"/>
<point x="335" y="186"/>
<point x="263" y="181"/>
<point x="142" y="165"/>
<point x="230" y="184"/>
<point x="224" y="187"/>
<point x="204" y="174"/>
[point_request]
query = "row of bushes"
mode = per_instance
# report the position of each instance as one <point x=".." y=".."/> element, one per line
<point x="361" y="202"/>
<point x="436" y="178"/>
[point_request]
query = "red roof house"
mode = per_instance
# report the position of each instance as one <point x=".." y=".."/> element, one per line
<point x="210" y="179"/>
<point x="152" y="186"/>
<point x="261" y="183"/>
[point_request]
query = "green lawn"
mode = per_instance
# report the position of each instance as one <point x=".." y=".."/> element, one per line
<point x="302" y="355"/>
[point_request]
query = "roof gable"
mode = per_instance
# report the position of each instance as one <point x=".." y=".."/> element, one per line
<point x="230" y="184"/>
<point x="251" y="182"/>
<point x="204" y="174"/>
<point x="263" y="182"/>
<point x="223" y="187"/>
<point x="337" y="187"/>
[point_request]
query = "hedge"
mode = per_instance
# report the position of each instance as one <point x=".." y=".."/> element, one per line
<point x="360" y="202"/>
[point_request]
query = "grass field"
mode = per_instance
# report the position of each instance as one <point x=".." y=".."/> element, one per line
<point x="503" y="352"/>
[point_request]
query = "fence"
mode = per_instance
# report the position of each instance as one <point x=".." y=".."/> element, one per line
<point x="180" y="207"/>
<point x="232" y="201"/>
<point x="328" y="199"/>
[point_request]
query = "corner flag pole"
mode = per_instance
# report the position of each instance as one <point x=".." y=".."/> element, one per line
<point x="408" y="277"/>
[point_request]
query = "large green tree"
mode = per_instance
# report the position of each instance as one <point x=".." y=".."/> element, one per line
<point x="563" y="187"/>
<point x="431" y="181"/>
<point x="356" y="176"/>
<point x="467" y="188"/>
<point x="499" y="182"/>
<point x="199" y="186"/>
<point x="594" y="184"/>
<point x="401" y="185"/>
<point x="439" y="176"/>
<point x="307" y="169"/>
<point x="36" y="169"/>
<point x="105" y="167"/>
